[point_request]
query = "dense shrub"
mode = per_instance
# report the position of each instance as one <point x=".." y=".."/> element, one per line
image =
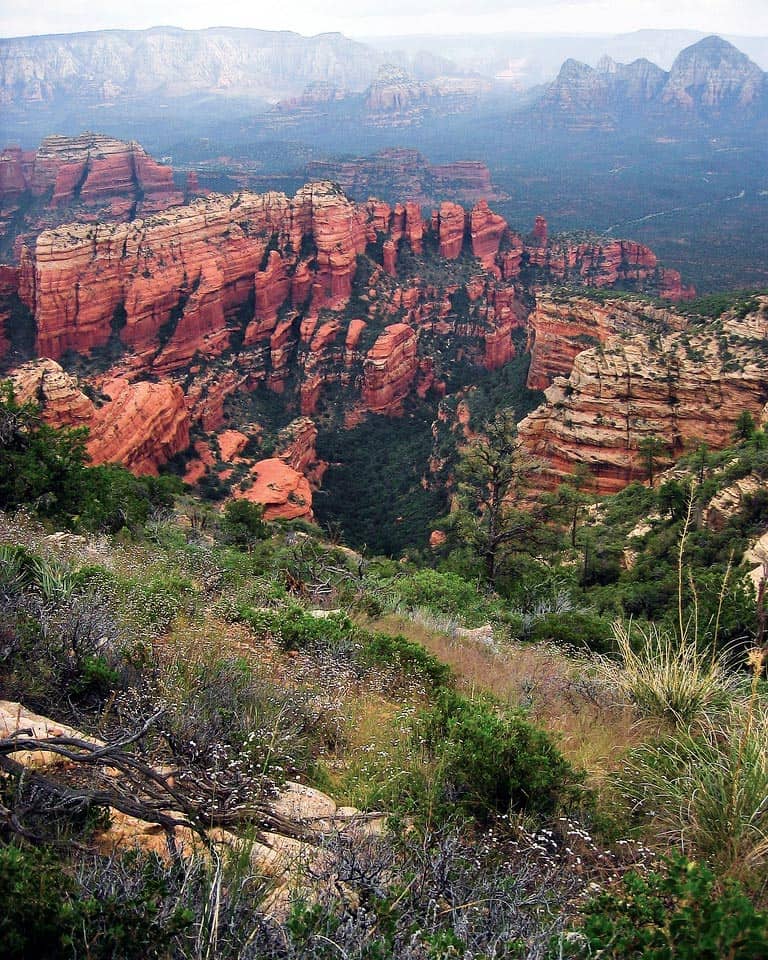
<point x="46" y="469"/>
<point x="243" y="523"/>
<point x="297" y="629"/>
<point x="61" y="638"/>
<point x="410" y="657"/>
<point x="442" y="593"/>
<point x="680" y="914"/>
<point x="48" y="915"/>
<point x="151" y="603"/>
<point x="493" y="760"/>
<point x="575" y="628"/>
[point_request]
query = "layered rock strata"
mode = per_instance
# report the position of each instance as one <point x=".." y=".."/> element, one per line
<point x="181" y="283"/>
<point x="314" y="297"/>
<point x="90" y="169"/>
<point x="398" y="172"/>
<point x="140" y="425"/>
<point x="683" y="387"/>
<point x="559" y="330"/>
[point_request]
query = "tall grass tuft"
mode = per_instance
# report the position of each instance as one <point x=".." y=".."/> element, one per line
<point x="707" y="793"/>
<point x="671" y="679"/>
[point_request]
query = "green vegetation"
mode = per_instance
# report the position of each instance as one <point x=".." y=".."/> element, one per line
<point x="679" y="914"/>
<point x="493" y="762"/>
<point x="671" y="678"/>
<point x="374" y="484"/>
<point x="714" y="305"/>
<point x="47" y="469"/>
<point x="494" y="473"/>
<point x="243" y="523"/>
<point x="486" y="715"/>
<point x="704" y="792"/>
<point x="48" y="914"/>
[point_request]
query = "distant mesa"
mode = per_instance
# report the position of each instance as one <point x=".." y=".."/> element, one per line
<point x="394" y="173"/>
<point x="106" y="66"/>
<point x="88" y="177"/>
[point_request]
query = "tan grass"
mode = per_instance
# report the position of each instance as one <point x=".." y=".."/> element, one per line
<point x="593" y="732"/>
<point x="706" y="793"/>
<point x="379" y="763"/>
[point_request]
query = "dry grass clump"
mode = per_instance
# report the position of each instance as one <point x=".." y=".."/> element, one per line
<point x="670" y="679"/>
<point x="377" y="765"/>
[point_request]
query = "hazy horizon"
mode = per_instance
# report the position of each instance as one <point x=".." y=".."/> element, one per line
<point x="366" y="18"/>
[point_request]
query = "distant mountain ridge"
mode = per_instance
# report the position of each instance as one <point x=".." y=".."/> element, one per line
<point x="108" y="64"/>
<point x="525" y="60"/>
<point x="708" y="78"/>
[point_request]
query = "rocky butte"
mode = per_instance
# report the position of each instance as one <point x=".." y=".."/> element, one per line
<point x="395" y="98"/>
<point x="654" y="376"/>
<point x="90" y="177"/>
<point x="332" y="304"/>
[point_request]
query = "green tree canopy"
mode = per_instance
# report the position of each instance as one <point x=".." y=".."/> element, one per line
<point x="46" y="470"/>
<point x="494" y="472"/>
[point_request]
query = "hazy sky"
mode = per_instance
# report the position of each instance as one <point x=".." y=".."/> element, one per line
<point x="383" y="17"/>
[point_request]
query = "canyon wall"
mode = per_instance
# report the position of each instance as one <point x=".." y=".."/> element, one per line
<point x="255" y="272"/>
<point x="339" y="307"/>
<point x="559" y="329"/>
<point x="681" y="386"/>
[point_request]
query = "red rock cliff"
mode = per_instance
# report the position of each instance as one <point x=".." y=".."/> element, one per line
<point x="142" y="425"/>
<point x="559" y="330"/>
<point x="91" y="168"/>
<point x="389" y="370"/>
<point x="676" y="386"/>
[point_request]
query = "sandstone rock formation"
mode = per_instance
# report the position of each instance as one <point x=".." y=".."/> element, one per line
<point x="486" y="231"/>
<point x="338" y="307"/>
<point x="59" y="396"/>
<point x="709" y="78"/>
<point x="175" y="285"/>
<point x="89" y="178"/>
<point x="730" y="500"/>
<point x="450" y="223"/>
<point x="141" y="425"/>
<point x="682" y="386"/>
<point x="395" y="97"/>
<point x="713" y="74"/>
<point x="558" y="331"/>
<point x="601" y="262"/>
<point x="284" y="492"/>
<point x="88" y="169"/>
<point x="397" y="172"/>
<point x="389" y="369"/>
